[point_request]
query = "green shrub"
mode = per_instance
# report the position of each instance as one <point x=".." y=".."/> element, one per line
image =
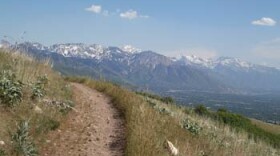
<point x="201" y="110"/>
<point x="38" y="88"/>
<point x="222" y="110"/>
<point x="242" y="123"/>
<point x="167" y="99"/>
<point x="194" y="128"/>
<point x="21" y="141"/>
<point x="232" y="119"/>
<point x="10" y="89"/>
<point x="65" y="107"/>
<point x="2" y="152"/>
<point x="239" y="122"/>
<point x="53" y="124"/>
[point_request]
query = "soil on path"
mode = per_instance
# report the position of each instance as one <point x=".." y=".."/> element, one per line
<point x="94" y="128"/>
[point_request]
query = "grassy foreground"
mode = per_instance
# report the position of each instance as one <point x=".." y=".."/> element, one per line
<point x="150" y="122"/>
<point x="33" y="101"/>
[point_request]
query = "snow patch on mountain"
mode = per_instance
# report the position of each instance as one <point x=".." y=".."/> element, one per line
<point x="198" y="61"/>
<point x="130" y="49"/>
<point x="193" y="60"/>
<point x="228" y="61"/>
<point x="95" y="51"/>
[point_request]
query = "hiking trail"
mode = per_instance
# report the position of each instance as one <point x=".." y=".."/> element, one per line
<point x="93" y="128"/>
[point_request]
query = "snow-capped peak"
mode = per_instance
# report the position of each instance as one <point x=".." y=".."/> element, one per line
<point x="99" y="52"/>
<point x="79" y="50"/>
<point x="195" y="60"/>
<point x="212" y="63"/>
<point x="130" y="49"/>
<point x="228" y="61"/>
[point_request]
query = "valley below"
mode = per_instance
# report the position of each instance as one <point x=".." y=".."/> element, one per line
<point x="264" y="107"/>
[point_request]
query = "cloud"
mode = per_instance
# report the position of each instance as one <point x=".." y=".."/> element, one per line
<point x="95" y="9"/>
<point x="265" y="21"/>
<point x="132" y="14"/>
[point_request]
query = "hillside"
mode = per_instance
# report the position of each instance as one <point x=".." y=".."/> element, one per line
<point x="37" y="105"/>
<point x="152" y="120"/>
<point x="34" y="100"/>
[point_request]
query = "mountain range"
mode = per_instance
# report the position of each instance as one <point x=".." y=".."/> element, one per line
<point x="154" y="71"/>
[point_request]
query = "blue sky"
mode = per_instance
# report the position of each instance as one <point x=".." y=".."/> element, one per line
<point x="247" y="29"/>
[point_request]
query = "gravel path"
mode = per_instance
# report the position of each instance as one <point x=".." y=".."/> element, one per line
<point x="95" y="128"/>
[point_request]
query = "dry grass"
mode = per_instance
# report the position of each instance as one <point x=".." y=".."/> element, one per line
<point x="148" y="127"/>
<point x="267" y="126"/>
<point x="27" y="70"/>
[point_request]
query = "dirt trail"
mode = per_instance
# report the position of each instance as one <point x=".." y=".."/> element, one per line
<point x="94" y="129"/>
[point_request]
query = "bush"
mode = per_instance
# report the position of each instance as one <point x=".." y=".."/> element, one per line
<point x="194" y="128"/>
<point x="38" y="88"/>
<point x="2" y="152"/>
<point x="242" y="123"/>
<point x="234" y="120"/>
<point x="201" y="110"/>
<point x="167" y="99"/>
<point x="53" y="124"/>
<point x="65" y="107"/>
<point x="239" y="122"/>
<point x="10" y="89"/>
<point x="22" y="143"/>
<point x="222" y="110"/>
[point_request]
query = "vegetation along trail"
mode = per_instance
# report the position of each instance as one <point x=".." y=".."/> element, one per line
<point x="95" y="127"/>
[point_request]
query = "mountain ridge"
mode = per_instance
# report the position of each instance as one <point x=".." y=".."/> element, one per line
<point x="82" y="50"/>
<point x="148" y="69"/>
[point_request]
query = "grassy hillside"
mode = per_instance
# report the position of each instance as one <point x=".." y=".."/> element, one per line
<point x="33" y="101"/>
<point x="151" y="121"/>
<point x="274" y="129"/>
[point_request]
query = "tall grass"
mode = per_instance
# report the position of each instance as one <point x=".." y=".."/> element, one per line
<point x="272" y="128"/>
<point x="150" y="122"/>
<point x="27" y="70"/>
<point x="239" y="122"/>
